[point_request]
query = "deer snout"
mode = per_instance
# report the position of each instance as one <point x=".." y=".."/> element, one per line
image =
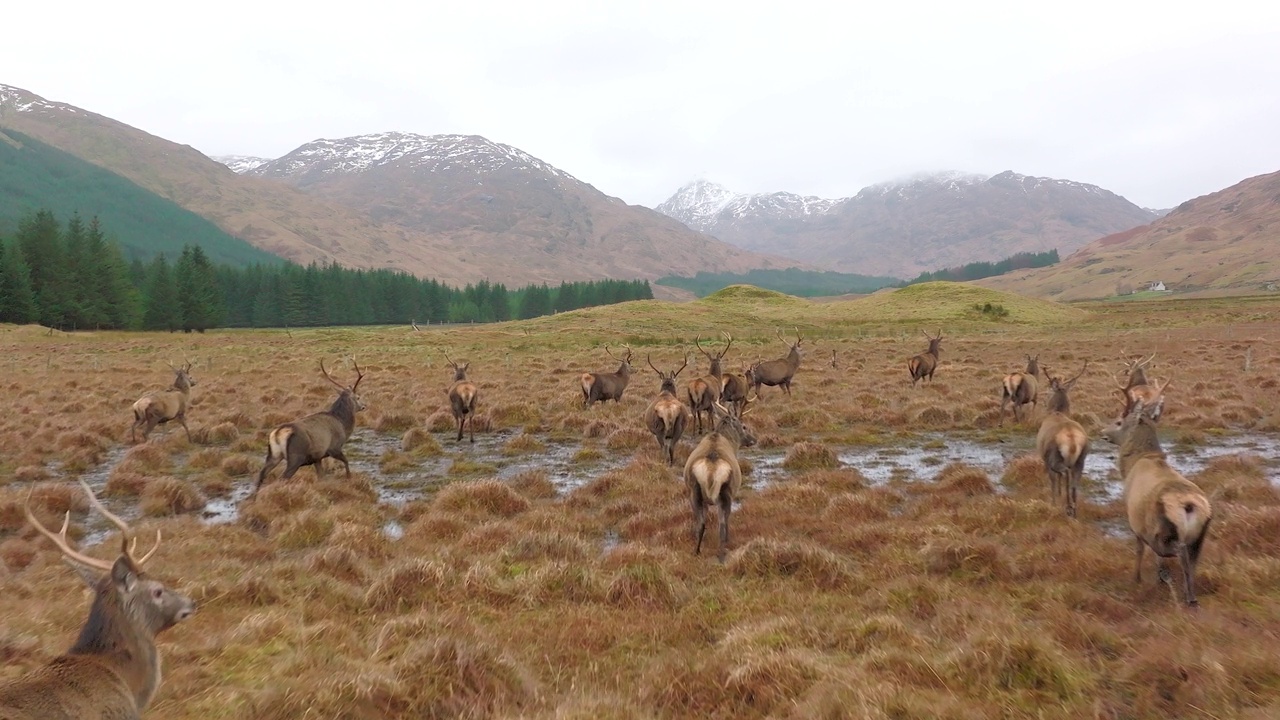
<point x="186" y="610"/>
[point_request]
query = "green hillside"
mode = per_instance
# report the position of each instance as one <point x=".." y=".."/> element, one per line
<point x="36" y="176"/>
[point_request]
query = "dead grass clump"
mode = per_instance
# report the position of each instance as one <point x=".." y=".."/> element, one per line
<point x="1237" y="478"/>
<point x="485" y="498"/>
<point x="596" y="707"/>
<point x="306" y="529"/>
<point x="967" y="559"/>
<point x="856" y="508"/>
<point x="1014" y="660"/>
<point x="408" y="584"/>
<point x="145" y="459"/>
<point x="239" y="465"/>
<point x="204" y="459"/>
<point x="796" y="559"/>
<point x="842" y="480"/>
<point x="82" y="439"/>
<point x="420" y="443"/>
<point x="572" y="582"/>
<point x="548" y="545"/>
<point x="453" y="677"/>
<point x="57" y="499"/>
<point x="523" y="444"/>
<point x="795" y="497"/>
<point x="221" y="434"/>
<point x="598" y="428"/>
<point x="394" y="461"/>
<point x="1025" y="472"/>
<point x="809" y="456"/>
<point x="16" y="554"/>
<point x="770" y="681"/>
<point x="393" y="422"/>
<point x="1252" y="531"/>
<point x="170" y="496"/>
<point x="533" y="484"/>
<point x="754" y="685"/>
<point x="627" y="438"/>
<point x="441" y="421"/>
<point x="255" y="589"/>
<point x="480" y="422"/>
<point x="31" y="474"/>
<point x="932" y="416"/>
<point x="340" y="563"/>
<point x="516" y="413"/>
<point x="362" y="540"/>
<point x="274" y="419"/>
<point x="964" y="479"/>
<point x="124" y="483"/>
<point x="437" y="527"/>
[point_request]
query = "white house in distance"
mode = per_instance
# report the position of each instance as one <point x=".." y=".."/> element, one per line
<point x="1157" y="286"/>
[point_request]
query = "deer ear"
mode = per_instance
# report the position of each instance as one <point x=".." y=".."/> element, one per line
<point x="124" y="575"/>
<point x="87" y="574"/>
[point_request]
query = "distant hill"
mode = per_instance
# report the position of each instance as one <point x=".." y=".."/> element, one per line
<point x="906" y="227"/>
<point x="1224" y="242"/>
<point x="792" y="281"/>
<point x="36" y="176"/>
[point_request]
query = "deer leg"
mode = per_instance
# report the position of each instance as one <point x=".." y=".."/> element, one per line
<point x="342" y="458"/>
<point x="267" y="467"/>
<point x="699" y="519"/>
<point x="471" y="426"/>
<point x="183" y="419"/>
<point x="462" y="419"/>
<point x="726" y="506"/>
<point x="1138" y="548"/>
<point x="1188" y="570"/>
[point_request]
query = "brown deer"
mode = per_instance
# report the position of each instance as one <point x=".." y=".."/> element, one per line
<point x="713" y="475"/>
<point x="113" y="669"/>
<point x="1021" y="388"/>
<point x="310" y="440"/>
<point x="601" y="386"/>
<point x="161" y="406"/>
<point x="666" y="417"/>
<point x="1137" y="388"/>
<point x="705" y="391"/>
<point x="734" y="390"/>
<point x="1062" y="442"/>
<point x="462" y="397"/>
<point x="923" y="365"/>
<point x="777" y="373"/>
<point x="1167" y="512"/>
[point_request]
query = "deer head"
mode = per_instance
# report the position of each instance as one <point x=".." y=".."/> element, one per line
<point x="347" y="391"/>
<point x="624" y="363"/>
<point x="459" y="371"/>
<point x="668" y="378"/>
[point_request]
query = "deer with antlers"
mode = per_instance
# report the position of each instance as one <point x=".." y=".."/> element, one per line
<point x="705" y="391"/>
<point x="666" y="417"/>
<point x="713" y="475"/>
<point x="317" y="436"/>
<point x="1021" y="388"/>
<point x="113" y="669"/>
<point x="601" y="386"/>
<point x="1062" y="442"/>
<point x="735" y="389"/>
<point x="777" y="373"/>
<point x="462" y="397"/>
<point x="1137" y="388"/>
<point x="923" y="365"/>
<point x="161" y="406"/>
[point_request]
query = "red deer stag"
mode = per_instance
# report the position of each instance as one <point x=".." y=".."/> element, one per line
<point x="601" y="386"/>
<point x="1062" y="442"/>
<point x="666" y="417"/>
<point x="1137" y="388"/>
<point x="1021" y="388"/>
<point x="734" y="391"/>
<point x="923" y="365"/>
<point x="317" y="436"/>
<point x="704" y="392"/>
<point x="1167" y="512"/>
<point x="713" y="475"/>
<point x="113" y="669"/>
<point x="161" y="406"/>
<point x="777" y="373"/>
<point x="462" y="397"/>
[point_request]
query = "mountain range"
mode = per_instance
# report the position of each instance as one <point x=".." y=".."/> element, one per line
<point x="901" y="228"/>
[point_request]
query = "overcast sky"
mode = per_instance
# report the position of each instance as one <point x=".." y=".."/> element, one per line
<point x="1155" y="101"/>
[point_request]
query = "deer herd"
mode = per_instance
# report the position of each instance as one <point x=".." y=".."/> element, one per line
<point x="113" y="669"/>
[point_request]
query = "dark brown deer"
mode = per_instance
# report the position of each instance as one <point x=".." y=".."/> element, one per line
<point x="601" y="386"/>
<point x="666" y="417"/>
<point x="317" y="436"/>
<point x="1137" y="388"/>
<point x="1022" y="389"/>
<point x="734" y="391"/>
<point x="713" y="475"/>
<point x="778" y="373"/>
<point x="113" y="669"/>
<point x="462" y="397"/>
<point x="1062" y="442"/>
<point x="161" y="406"/>
<point x="704" y="392"/>
<point x="1167" y="512"/>
<point x="923" y="365"/>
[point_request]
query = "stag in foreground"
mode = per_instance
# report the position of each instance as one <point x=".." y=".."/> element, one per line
<point x="1062" y="442"/>
<point x="601" y="386"/>
<point x="923" y="365"/>
<point x="113" y="669"/>
<point x="666" y="417"/>
<point x="462" y="397"/>
<point x="161" y="406"/>
<point x="1167" y="512"/>
<point x="1137" y="388"/>
<point x="1021" y="389"/>
<point x="704" y="392"/>
<point x="317" y="436"/>
<point x="777" y="373"/>
<point x="713" y="475"/>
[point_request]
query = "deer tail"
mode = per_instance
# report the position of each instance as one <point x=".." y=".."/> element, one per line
<point x="1188" y="511"/>
<point x="278" y="441"/>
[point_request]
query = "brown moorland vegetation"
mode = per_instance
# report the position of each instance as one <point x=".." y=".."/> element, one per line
<point x="547" y="571"/>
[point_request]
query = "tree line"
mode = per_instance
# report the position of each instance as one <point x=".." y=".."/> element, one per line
<point x="72" y="276"/>
<point x="979" y="270"/>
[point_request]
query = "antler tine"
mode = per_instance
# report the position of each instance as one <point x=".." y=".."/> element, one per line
<point x="1077" y="377"/>
<point x="682" y="366"/>
<point x="452" y="364"/>
<point x="60" y="538"/>
<point x="697" y="342"/>
<point x="798" y="338"/>
<point x="629" y="353"/>
<point x="171" y="367"/>
<point x="129" y="543"/>
<point x="359" y="375"/>
<point x="650" y="361"/>
<point x="610" y="352"/>
<point x="329" y="377"/>
<point x="1146" y="362"/>
<point x="1116" y="380"/>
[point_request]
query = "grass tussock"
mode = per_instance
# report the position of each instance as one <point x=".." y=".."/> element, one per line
<point x="979" y="560"/>
<point x="810" y="456"/>
<point x="523" y="444"/>
<point x="420" y="443"/>
<point x="480" y="498"/>
<point x="165" y="496"/>
<point x="802" y="561"/>
<point x="408" y="584"/>
<point x="239" y="465"/>
<point x="534" y="485"/>
<point x="965" y="480"/>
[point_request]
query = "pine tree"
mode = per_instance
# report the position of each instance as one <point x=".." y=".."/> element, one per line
<point x="198" y="293"/>
<point x="162" y="309"/>
<point x="41" y="246"/>
<point x="536" y="302"/>
<point x="17" y="301"/>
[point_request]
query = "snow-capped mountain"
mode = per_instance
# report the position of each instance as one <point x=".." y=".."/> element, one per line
<point x="241" y="164"/>
<point x="14" y="99"/>
<point x="921" y="222"/>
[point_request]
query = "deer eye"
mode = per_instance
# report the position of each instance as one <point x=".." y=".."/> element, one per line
<point x="156" y="593"/>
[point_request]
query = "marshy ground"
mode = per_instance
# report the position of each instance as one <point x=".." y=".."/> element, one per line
<point x="894" y="554"/>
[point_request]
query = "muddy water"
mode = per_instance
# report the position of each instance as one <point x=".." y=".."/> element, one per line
<point x="919" y="458"/>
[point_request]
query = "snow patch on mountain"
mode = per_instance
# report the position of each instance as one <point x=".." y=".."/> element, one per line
<point x="19" y="100"/>
<point x="701" y="204"/>
<point x="419" y="153"/>
<point x="241" y="164"/>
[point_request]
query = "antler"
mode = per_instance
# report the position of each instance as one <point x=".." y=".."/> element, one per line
<point x="1077" y="377"/>
<point x="650" y="361"/>
<point x="728" y="343"/>
<point x="359" y="375"/>
<point x="798" y="338"/>
<point x="697" y="342"/>
<point x="329" y="377"/>
<point x="610" y="353"/>
<point x="128" y="542"/>
<point x="452" y="364"/>
<point x="1146" y="362"/>
<point x="682" y="366"/>
<point x="628" y="348"/>
<point x="1116" y="380"/>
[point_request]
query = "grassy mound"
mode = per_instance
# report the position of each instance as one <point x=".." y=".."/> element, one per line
<point x="943" y="301"/>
